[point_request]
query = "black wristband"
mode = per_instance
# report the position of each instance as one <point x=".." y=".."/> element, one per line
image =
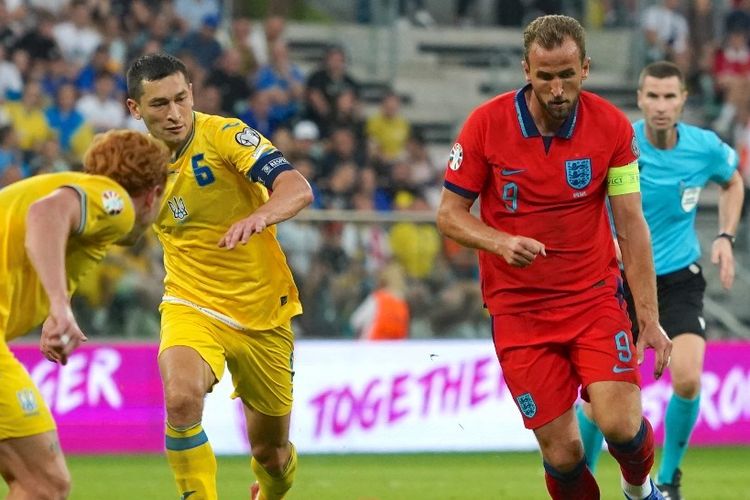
<point x="728" y="236"/>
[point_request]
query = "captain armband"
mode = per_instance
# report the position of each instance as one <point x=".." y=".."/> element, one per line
<point x="623" y="180"/>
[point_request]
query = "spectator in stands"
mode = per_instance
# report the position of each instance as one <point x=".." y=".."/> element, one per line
<point x="384" y="314"/>
<point x="666" y="33"/>
<point x="306" y="144"/>
<point x="343" y="148"/>
<point x="195" y="12"/>
<point x="114" y="38"/>
<point x="59" y="72"/>
<point x="77" y="38"/>
<point x="337" y="190"/>
<point x="262" y="40"/>
<point x="202" y="43"/>
<point x="284" y="82"/>
<point x="209" y="101"/>
<point x="233" y="85"/>
<point x="415" y="245"/>
<point x="162" y="29"/>
<point x="388" y="130"/>
<point x="28" y="119"/>
<point x="11" y="84"/>
<point x="49" y="159"/>
<point x="239" y="37"/>
<point x="732" y="77"/>
<point x="702" y="43"/>
<point x="11" y="163"/>
<point x="738" y="18"/>
<point x="424" y="172"/>
<point x="348" y="114"/>
<point x="39" y="40"/>
<point x="258" y="114"/>
<point x="100" y="62"/>
<point x="74" y="134"/>
<point x="325" y="85"/>
<point x="103" y="109"/>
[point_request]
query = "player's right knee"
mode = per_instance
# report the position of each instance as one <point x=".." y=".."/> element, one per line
<point x="184" y="408"/>
<point x="272" y="458"/>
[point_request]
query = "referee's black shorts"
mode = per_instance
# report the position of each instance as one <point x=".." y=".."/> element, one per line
<point x="680" y="295"/>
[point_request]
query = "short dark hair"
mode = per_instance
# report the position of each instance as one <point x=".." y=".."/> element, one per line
<point x="660" y="70"/>
<point x="551" y="32"/>
<point x="152" y="67"/>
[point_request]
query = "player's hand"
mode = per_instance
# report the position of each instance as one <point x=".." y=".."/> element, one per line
<point x="61" y="334"/>
<point x="241" y="231"/>
<point x="721" y="254"/>
<point x="520" y="251"/>
<point x="652" y="335"/>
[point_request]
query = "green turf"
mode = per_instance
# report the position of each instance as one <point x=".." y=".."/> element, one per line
<point x="713" y="473"/>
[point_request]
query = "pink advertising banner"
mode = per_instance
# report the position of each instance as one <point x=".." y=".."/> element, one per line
<point x="443" y="395"/>
<point x="107" y="399"/>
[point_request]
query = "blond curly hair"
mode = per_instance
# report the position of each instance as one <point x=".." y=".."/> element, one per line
<point x="134" y="160"/>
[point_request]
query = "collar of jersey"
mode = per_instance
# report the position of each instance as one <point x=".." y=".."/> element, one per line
<point x="187" y="143"/>
<point x="526" y="122"/>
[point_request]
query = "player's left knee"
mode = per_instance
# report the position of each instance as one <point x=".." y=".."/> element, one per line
<point x="688" y="388"/>
<point x="272" y="458"/>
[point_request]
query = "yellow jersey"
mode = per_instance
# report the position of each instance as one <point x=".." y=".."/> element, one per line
<point x="107" y="215"/>
<point x="215" y="180"/>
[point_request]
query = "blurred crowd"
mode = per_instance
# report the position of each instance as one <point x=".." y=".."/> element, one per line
<point x="62" y="69"/>
<point x="62" y="66"/>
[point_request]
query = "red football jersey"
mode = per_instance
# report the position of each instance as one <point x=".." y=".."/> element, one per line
<point x="553" y="192"/>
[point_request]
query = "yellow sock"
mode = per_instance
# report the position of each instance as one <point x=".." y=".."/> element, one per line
<point x="192" y="461"/>
<point x="275" y="487"/>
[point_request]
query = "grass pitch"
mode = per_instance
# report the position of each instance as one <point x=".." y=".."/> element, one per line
<point x="709" y="473"/>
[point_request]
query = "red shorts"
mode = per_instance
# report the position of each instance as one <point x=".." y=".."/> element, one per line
<point x="546" y="355"/>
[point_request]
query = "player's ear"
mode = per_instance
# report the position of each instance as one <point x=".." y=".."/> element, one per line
<point x="526" y="70"/>
<point x="153" y="197"/>
<point x="133" y="108"/>
<point x="585" y="66"/>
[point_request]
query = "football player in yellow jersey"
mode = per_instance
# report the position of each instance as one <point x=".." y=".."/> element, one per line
<point x="53" y="229"/>
<point x="229" y="294"/>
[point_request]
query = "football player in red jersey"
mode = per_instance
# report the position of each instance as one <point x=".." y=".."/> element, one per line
<point x="543" y="160"/>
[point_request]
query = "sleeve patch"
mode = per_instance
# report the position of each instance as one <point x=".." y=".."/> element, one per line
<point x="247" y="137"/>
<point x="623" y="180"/>
<point x="112" y="202"/>
<point x="456" y="157"/>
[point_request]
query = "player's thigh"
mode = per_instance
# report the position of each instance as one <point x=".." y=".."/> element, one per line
<point x="603" y="350"/>
<point x="34" y="461"/>
<point x="261" y="364"/>
<point x="191" y="356"/>
<point x="536" y="369"/>
<point x="23" y="412"/>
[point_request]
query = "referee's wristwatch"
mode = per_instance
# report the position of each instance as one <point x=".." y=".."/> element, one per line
<point x="728" y="236"/>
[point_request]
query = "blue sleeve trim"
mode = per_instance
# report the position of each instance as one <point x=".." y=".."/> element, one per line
<point x="82" y="196"/>
<point x="460" y="191"/>
<point x="268" y="167"/>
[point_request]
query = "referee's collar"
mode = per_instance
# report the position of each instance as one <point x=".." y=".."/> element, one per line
<point x="526" y="121"/>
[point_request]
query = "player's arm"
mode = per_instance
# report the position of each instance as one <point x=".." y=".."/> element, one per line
<point x="635" y="245"/>
<point x="454" y="220"/>
<point x="731" y="197"/>
<point x="49" y="223"/>
<point x="290" y="193"/>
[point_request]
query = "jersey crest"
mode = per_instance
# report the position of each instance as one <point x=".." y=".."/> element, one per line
<point x="578" y="173"/>
<point x="112" y="202"/>
<point x="527" y="405"/>
<point x="690" y="197"/>
<point x="177" y="205"/>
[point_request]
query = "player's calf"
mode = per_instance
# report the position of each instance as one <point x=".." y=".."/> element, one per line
<point x="275" y="473"/>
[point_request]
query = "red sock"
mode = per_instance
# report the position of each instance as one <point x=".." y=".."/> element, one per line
<point x="578" y="484"/>
<point x="636" y="456"/>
